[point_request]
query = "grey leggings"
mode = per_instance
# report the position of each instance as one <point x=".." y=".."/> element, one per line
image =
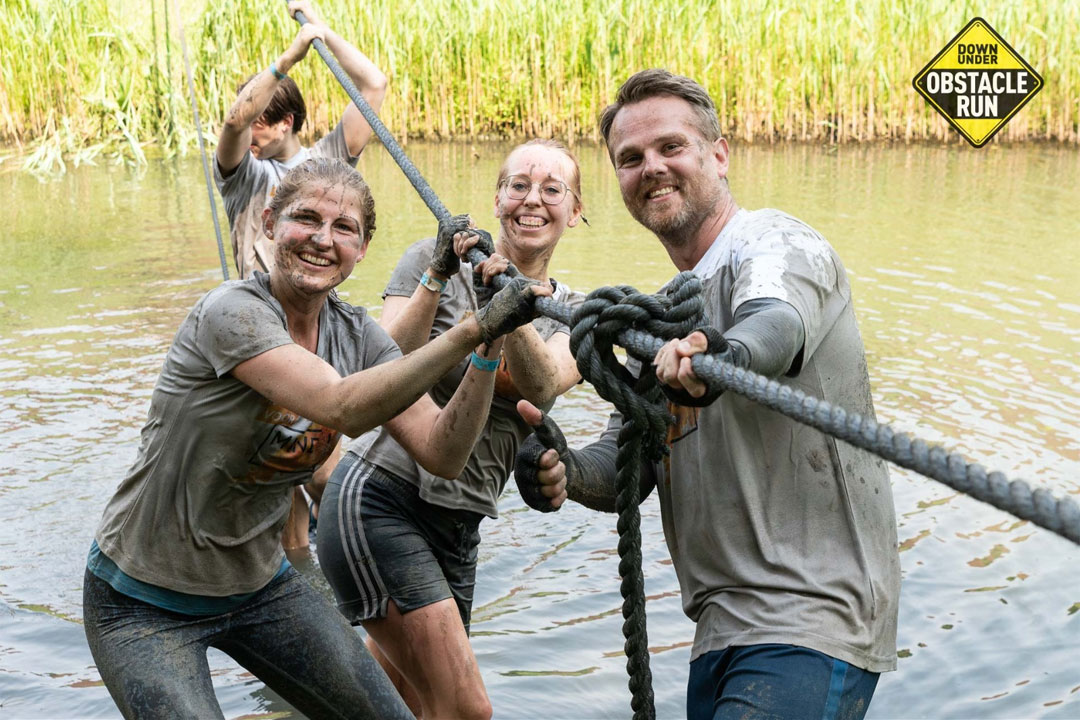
<point x="153" y="661"/>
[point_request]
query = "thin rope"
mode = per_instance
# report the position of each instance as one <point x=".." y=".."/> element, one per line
<point x="202" y="146"/>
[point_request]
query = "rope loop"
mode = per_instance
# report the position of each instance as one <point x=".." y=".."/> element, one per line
<point x="598" y="324"/>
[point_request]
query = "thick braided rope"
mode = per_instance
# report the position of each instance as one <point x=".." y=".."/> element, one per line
<point x="1059" y="515"/>
<point x="597" y="324"/>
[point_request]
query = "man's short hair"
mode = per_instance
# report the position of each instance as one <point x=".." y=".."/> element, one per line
<point x="657" y="82"/>
<point x="287" y="100"/>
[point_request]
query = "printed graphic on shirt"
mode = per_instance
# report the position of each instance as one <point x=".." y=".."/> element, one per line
<point x="291" y="444"/>
<point x="686" y="422"/>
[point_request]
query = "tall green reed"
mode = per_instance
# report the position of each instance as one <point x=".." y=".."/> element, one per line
<point x="89" y="76"/>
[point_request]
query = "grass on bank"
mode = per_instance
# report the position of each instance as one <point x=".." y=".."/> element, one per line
<point x="86" y="77"/>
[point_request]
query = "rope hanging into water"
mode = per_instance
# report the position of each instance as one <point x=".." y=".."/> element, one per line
<point x="202" y="146"/>
<point x="596" y="327"/>
<point x="642" y="324"/>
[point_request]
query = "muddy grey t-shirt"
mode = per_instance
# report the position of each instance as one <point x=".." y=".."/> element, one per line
<point x="202" y="508"/>
<point x="480" y="484"/>
<point x="249" y="188"/>
<point x="778" y="533"/>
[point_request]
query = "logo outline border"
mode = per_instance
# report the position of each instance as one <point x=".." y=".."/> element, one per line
<point x="1004" y="121"/>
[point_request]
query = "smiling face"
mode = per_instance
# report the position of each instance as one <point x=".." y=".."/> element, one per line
<point x="672" y="178"/>
<point x="318" y="237"/>
<point x="529" y="226"/>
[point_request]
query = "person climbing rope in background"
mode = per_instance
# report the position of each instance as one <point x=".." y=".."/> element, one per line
<point x="412" y="584"/>
<point x="783" y="538"/>
<point x="259" y="144"/>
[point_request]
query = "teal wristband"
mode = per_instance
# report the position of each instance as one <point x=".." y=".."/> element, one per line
<point x="482" y="364"/>
<point x="278" y="75"/>
<point x="432" y="284"/>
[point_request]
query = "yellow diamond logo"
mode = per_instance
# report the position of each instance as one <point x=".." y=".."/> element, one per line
<point x="978" y="82"/>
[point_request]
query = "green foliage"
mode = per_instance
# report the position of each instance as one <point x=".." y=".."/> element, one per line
<point x="92" y="76"/>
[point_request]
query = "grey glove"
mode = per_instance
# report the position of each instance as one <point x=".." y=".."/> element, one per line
<point x="483" y="292"/>
<point x="508" y="309"/>
<point x="444" y="260"/>
<point x="545" y="435"/>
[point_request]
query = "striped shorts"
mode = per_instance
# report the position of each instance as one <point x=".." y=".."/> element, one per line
<point x="380" y="541"/>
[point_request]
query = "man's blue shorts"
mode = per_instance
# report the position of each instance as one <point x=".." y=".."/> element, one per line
<point x="778" y="682"/>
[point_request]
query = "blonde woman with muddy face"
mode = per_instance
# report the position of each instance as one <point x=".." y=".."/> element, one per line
<point x="262" y="378"/>
<point x="399" y="543"/>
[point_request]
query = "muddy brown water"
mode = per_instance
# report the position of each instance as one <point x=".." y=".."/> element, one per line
<point x="966" y="271"/>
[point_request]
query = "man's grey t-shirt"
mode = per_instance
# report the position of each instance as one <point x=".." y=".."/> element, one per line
<point x="478" y="487"/>
<point x="248" y="189"/>
<point x="202" y="509"/>
<point x="779" y="533"/>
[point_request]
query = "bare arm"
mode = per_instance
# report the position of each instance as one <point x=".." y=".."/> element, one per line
<point x="541" y="371"/>
<point x="365" y="75"/>
<point x="295" y="378"/>
<point x="369" y="80"/>
<point x="291" y="376"/>
<point x="408" y="319"/>
<point x="253" y="100"/>
<point x="317" y="484"/>
<point x="442" y="440"/>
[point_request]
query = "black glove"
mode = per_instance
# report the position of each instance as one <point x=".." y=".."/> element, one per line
<point x="444" y="260"/>
<point x="483" y="292"/>
<point x="508" y="309"/>
<point x="718" y="345"/>
<point x="546" y="435"/>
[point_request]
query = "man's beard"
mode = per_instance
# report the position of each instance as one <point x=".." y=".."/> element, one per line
<point x="679" y="228"/>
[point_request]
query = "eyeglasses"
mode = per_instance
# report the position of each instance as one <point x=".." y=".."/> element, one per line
<point x="552" y="191"/>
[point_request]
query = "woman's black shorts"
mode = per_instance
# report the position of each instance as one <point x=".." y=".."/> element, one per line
<point x="379" y="540"/>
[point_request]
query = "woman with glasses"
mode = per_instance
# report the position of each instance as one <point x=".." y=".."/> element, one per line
<point x="399" y="544"/>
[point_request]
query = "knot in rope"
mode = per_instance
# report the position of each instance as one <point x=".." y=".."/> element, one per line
<point x="607" y="313"/>
<point x="610" y="311"/>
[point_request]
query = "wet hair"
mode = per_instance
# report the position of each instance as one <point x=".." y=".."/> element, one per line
<point x="657" y="82"/>
<point x="287" y="100"/>
<point x="325" y="172"/>
<point x="574" y="180"/>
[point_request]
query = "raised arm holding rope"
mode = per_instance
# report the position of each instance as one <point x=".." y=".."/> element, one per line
<point x="259" y="141"/>
<point x="262" y="378"/>
<point x="412" y="585"/>
<point x="783" y="538"/>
